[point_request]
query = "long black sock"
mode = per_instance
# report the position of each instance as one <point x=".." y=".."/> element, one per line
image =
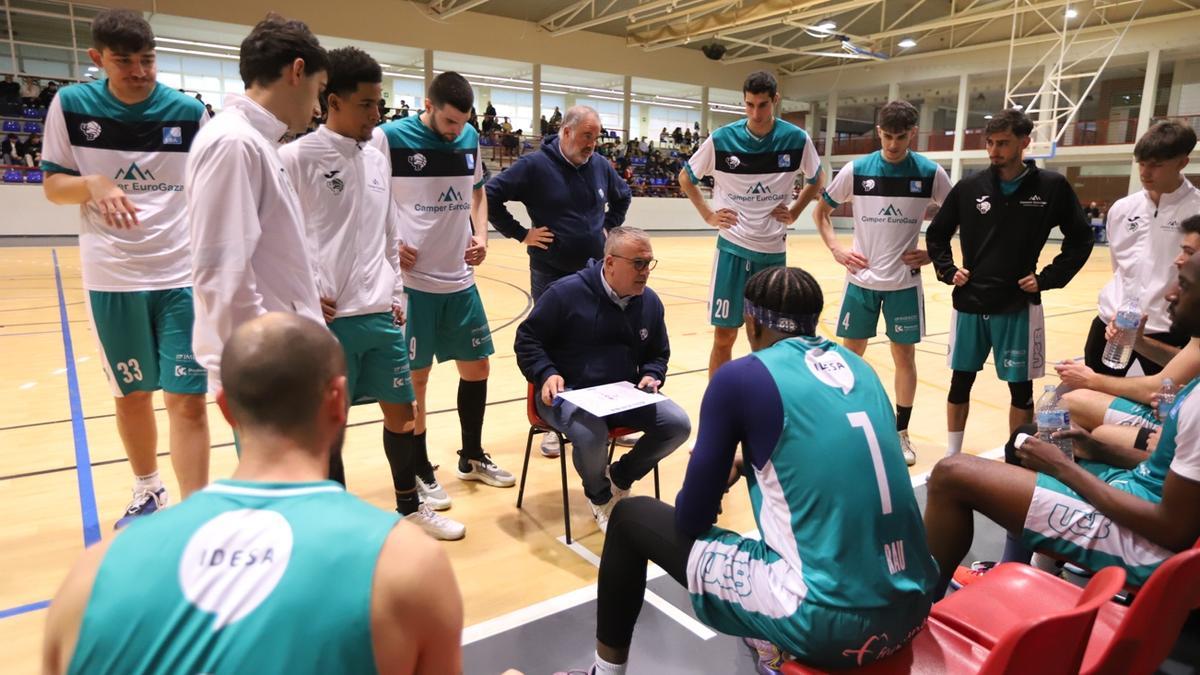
<point x="903" y="412"/>
<point x="399" y="449"/>
<point x="421" y="454"/>
<point x="472" y="401"/>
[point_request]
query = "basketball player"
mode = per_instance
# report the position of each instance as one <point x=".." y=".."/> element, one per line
<point x="276" y="570"/>
<point x="841" y="575"/>
<point x="1004" y="216"/>
<point x="249" y="254"/>
<point x="343" y="184"/>
<point x="890" y="189"/>
<point x="754" y="163"/>
<point x="118" y="147"/>
<point x="437" y="183"/>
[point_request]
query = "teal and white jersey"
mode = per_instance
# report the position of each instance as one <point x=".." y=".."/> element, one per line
<point x="432" y="183"/>
<point x="144" y="149"/>
<point x="833" y="502"/>
<point x="752" y="176"/>
<point x="1178" y="444"/>
<point x="889" y="202"/>
<point x="241" y="577"/>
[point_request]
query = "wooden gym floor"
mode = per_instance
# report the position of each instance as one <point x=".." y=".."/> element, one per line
<point x="59" y="415"/>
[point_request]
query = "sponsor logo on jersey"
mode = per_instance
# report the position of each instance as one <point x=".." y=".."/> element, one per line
<point x="868" y="185"/>
<point x="830" y="369"/>
<point x="1133" y="222"/>
<point x="759" y="189"/>
<point x="644" y="334"/>
<point x="891" y="215"/>
<point x="172" y="135"/>
<point x="1172" y="225"/>
<point x="375" y="185"/>
<point x="450" y="195"/>
<point x="733" y="161"/>
<point x="915" y="186"/>
<point x="983" y="205"/>
<point x="785" y="161"/>
<point x="134" y="178"/>
<point x="417" y="161"/>
<point x="470" y="162"/>
<point x="335" y="184"/>
<point x="133" y="172"/>
<point x="1034" y="200"/>
<point x="890" y="210"/>
<point x="91" y="130"/>
<point x="450" y="200"/>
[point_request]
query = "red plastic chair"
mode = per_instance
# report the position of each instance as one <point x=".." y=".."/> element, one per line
<point x="1130" y="640"/>
<point x="537" y="427"/>
<point x="1051" y="644"/>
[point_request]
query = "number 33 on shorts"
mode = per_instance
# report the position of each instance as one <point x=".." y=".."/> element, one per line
<point x="130" y="371"/>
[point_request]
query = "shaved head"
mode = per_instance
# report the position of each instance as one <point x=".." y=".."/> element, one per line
<point x="276" y="372"/>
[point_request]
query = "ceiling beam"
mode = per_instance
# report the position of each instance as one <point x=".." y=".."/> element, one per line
<point x="444" y="9"/>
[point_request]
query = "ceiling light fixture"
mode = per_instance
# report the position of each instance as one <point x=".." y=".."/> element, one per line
<point x="1072" y="13"/>
<point x="907" y="43"/>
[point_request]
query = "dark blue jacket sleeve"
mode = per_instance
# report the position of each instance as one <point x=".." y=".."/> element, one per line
<point x="741" y="406"/>
<point x="540" y="329"/>
<point x="619" y="198"/>
<point x="507" y="186"/>
<point x="659" y="352"/>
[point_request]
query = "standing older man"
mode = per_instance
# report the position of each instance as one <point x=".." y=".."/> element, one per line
<point x="565" y="193"/>
<point x="598" y="326"/>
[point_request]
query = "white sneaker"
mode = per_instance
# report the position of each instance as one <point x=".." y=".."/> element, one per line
<point x="436" y="525"/>
<point x="628" y="440"/>
<point x="485" y="471"/>
<point x="602" y="512"/>
<point x="431" y="492"/>
<point x="910" y="455"/>
<point x="550" y="446"/>
<point x="617" y="493"/>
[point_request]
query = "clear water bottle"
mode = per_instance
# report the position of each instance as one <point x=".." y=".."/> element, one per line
<point x="1053" y="417"/>
<point x="1166" y="397"/>
<point x="1120" y="348"/>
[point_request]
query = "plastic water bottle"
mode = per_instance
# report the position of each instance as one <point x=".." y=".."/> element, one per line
<point x="1051" y="418"/>
<point x="1120" y="348"/>
<point x="1166" y="397"/>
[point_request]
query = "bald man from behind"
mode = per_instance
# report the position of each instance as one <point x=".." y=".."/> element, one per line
<point x="275" y="570"/>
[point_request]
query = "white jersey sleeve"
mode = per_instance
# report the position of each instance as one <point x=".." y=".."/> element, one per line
<point x="703" y="161"/>
<point x="1186" y="462"/>
<point x="841" y="189"/>
<point x="941" y="186"/>
<point x="810" y="161"/>
<point x="479" y="181"/>
<point x="393" y="252"/>
<point x="56" y="143"/>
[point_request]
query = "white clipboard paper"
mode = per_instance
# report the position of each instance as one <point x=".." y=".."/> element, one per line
<point x="608" y="399"/>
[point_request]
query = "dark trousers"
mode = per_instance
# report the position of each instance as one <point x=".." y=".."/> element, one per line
<point x="641" y="530"/>
<point x="1094" y="351"/>
<point x="540" y="279"/>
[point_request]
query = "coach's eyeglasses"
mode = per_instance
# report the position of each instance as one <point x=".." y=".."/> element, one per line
<point x="639" y="264"/>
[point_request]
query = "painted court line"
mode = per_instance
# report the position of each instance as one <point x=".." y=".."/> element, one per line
<point x="24" y="609"/>
<point x="83" y="460"/>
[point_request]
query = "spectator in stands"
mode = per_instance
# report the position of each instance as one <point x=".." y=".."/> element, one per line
<point x="544" y="126"/>
<point x="663" y="136"/>
<point x="556" y="119"/>
<point x="473" y="120"/>
<point x="687" y="136"/>
<point x="209" y="108"/>
<point x="643" y="146"/>
<point x="490" y="110"/>
<point x="10" y="92"/>
<point x="48" y="94"/>
<point x="30" y="90"/>
<point x="403" y="109"/>
<point x="506" y="126"/>
<point x="10" y="151"/>
<point x="1092" y="211"/>
<point x="32" y="150"/>
<point x="677" y="136"/>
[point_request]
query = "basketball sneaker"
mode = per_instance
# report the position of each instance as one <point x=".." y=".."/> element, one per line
<point x="910" y="455"/>
<point x="550" y="446"/>
<point x="617" y="493"/>
<point x="768" y="658"/>
<point x="484" y="470"/>
<point x="145" y="502"/>
<point x="602" y="512"/>
<point x="628" y="440"/>
<point x="430" y="491"/>
<point x="436" y="525"/>
<point x="965" y="576"/>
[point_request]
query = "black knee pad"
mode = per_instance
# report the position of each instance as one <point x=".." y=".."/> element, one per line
<point x="1021" y="394"/>
<point x="961" y="382"/>
<point x="1010" y="448"/>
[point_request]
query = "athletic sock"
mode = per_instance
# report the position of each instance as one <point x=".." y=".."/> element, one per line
<point x="903" y="413"/>
<point x="956" y="441"/>
<point x="472" y="401"/>
<point x="150" y="481"/>
<point x="1015" y="550"/>
<point x="399" y="449"/>
<point x="420" y="460"/>
<point x="603" y="667"/>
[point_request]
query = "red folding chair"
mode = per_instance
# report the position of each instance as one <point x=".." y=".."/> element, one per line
<point x="1130" y="640"/>
<point x="1051" y="644"/>
<point x="537" y="427"/>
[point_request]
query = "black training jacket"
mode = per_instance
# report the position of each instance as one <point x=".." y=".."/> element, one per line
<point x="1002" y="237"/>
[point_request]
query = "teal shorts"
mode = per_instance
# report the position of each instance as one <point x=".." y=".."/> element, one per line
<point x="1016" y="341"/>
<point x="1126" y="413"/>
<point x="1064" y="524"/>
<point x="732" y="268"/>
<point x="376" y="358"/>
<point x="450" y="326"/>
<point x="146" y="341"/>
<point x="740" y="587"/>
<point x="903" y="313"/>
